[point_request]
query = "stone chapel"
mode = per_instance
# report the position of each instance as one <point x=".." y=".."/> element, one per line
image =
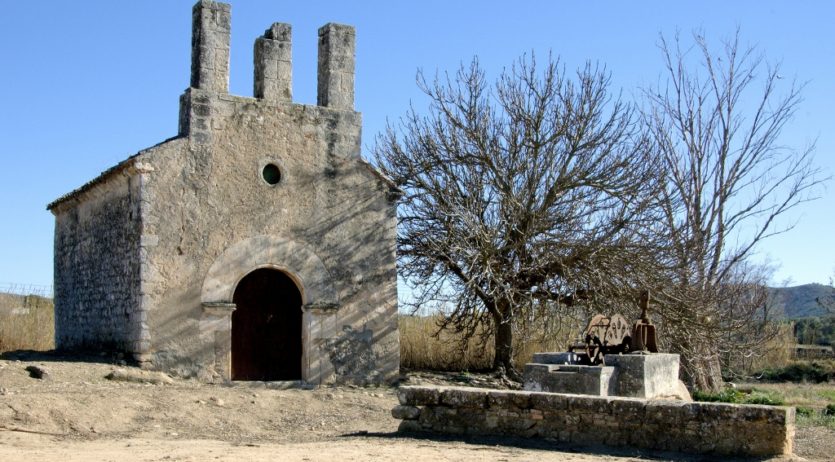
<point x="255" y="245"/>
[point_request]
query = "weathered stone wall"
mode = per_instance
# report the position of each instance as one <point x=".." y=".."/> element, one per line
<point x="582" y="380"/>
<point x="706" y="428"/>
<point x="97" y="261"/>
<point x="642" y="375"/>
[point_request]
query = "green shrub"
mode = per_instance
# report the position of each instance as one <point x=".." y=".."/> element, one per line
<point x="769" y="399"/>
<point x="802" y="371"/>
<point x="728" y="395"/>
<point x="733" y="396"/>
<point x="804" y="411"/>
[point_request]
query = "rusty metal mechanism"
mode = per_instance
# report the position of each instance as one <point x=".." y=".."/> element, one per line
<point x="603" y="336"/>
<point x="643" y="332"/>
<point x="612" y="335"/>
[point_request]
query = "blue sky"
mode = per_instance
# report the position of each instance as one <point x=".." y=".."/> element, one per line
<point x="86" y="84"/>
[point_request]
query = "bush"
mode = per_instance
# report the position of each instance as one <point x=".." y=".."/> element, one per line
<point x="730" y="395"/>
<point x="804" y="411"/>
<point x="768" y="399"/>
<point x="802" y="371"/>
<point x="829" y="410"/>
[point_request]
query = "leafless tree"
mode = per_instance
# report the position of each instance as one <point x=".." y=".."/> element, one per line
<point x="716" y="122"/>
<point x="527" y="193"/>
<point x="827" y="302"/>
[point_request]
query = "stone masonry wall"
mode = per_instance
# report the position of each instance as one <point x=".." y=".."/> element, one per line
<point x="706" y="428"/>
<point x="97" y="268"/>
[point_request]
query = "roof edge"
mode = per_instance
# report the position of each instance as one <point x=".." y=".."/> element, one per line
<point x="393" y="188"/>
<point x="104" y="176"/>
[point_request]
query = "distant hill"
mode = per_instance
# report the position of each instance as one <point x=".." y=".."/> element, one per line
<point x="802" y="301"/>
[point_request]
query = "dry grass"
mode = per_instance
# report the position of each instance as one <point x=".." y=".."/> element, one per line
<point x="815" y="397"/>
<point x="777" y="352"/>
<point x="26" y="323"/>
<point x="422" y="347"/>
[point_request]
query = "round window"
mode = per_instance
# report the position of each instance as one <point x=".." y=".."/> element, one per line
<point x="271" y="174"/>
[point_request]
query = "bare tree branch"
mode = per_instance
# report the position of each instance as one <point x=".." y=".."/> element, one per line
<point x="519" y="196"/>
<point x="716" y="126"/>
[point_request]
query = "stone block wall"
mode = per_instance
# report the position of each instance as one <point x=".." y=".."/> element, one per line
<point x="583" y="380"/>
<point x="645" y="375"/>
<point x="636" y="375"/>
<point x="705" y="428"/>
<point x="97" y="268"/>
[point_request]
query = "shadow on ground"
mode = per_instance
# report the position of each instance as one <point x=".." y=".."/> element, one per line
<point x="550" y="445"/>
<point x="65" y="356"/>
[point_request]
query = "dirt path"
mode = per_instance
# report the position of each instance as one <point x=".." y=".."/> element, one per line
<point x="75" y="414"/>
<point x="40" y="448"/>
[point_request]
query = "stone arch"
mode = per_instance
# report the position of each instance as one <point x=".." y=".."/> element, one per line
<point x="294" y="258"/>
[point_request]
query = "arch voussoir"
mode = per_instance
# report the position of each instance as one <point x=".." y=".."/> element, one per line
<point x="265" y="251"/>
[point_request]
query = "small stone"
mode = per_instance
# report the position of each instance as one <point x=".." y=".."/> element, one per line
<point x="139" y="376"/>
<point x="405" y="412"/>
<point x="37" y="372"/>
<point x="410" y="426"/>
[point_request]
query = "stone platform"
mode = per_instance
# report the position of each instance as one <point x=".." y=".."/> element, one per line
<point x="636" y="375"/>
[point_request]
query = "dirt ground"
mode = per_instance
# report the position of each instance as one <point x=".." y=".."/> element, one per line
<point x="76" y="414"/>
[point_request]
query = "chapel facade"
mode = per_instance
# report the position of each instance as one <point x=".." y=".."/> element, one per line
<point x="257" y="244"/>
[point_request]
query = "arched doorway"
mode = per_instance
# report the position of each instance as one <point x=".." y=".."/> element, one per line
<point x="267" y="327"/>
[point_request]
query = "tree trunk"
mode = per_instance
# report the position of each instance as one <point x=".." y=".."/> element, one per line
<point x="503" y="359"/>
<point x="703" y="370"/>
